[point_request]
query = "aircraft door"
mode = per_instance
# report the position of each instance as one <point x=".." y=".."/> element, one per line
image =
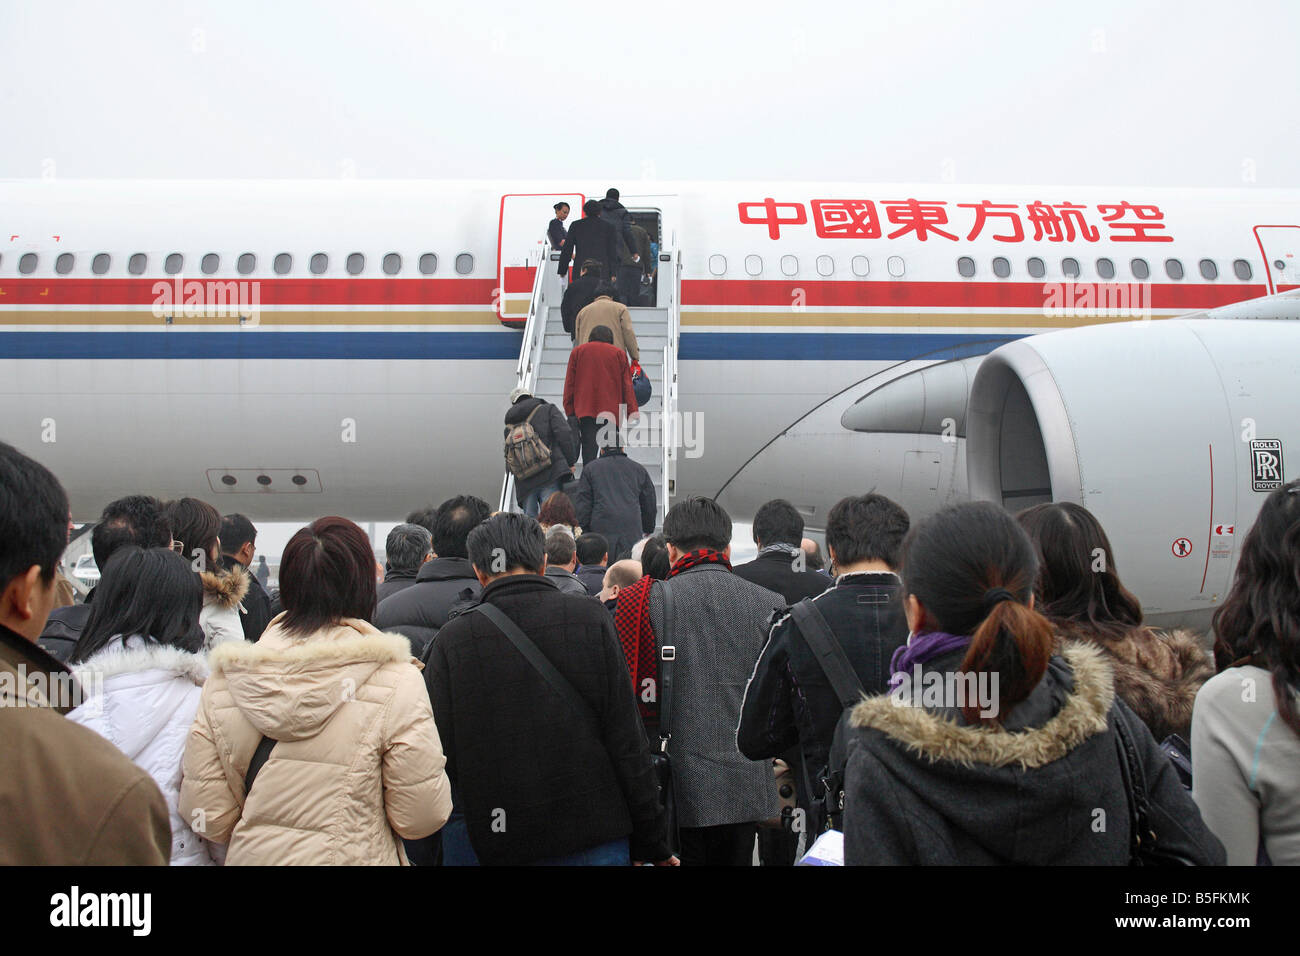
<point x="1280" y="246"/>
<point x="522" y="246"/>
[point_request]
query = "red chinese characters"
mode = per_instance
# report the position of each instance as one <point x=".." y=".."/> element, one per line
<point x="985" y="209"/>
<point x="845" y="219"/>
<point x="921" y="218"/>
<point x="771" y="216"/>
<point x="1150" y="218"/>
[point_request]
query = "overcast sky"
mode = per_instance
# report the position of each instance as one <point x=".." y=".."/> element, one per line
<point x="1105" y="92"/>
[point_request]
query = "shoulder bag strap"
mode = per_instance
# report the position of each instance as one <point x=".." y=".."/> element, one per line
<point x="535" y="657"/>
<point x="830" y="655"/>
<point x="1134" y="787"/>
<point x="260" y="756"/>
<point x="667" y="654"/>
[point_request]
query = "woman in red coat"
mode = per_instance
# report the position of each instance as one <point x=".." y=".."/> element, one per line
<point x="598" y="385"/>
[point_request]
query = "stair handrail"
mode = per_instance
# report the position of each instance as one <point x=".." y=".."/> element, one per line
<point x="668" y="430"/>
<point x="528" y="370"/>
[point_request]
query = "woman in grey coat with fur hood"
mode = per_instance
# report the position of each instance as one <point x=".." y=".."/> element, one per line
<point x="990" y="749"/>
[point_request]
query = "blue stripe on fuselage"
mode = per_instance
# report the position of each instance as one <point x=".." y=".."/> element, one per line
<point x="484" y="345"/>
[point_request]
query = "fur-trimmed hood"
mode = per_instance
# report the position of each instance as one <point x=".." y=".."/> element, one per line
<point x="935" y="735"/>
<point x="135" y="655"/>
<point x="288" y="686"/>
<point x="227" y="588"/>
<point x="1157" y="673"/>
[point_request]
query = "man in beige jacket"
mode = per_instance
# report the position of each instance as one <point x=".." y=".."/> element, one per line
<point x="69" y="797"/>
<point x="614" y="315"/>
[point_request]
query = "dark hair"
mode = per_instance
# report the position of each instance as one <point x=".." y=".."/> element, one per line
<point x="591" y="207"/>
<point x="153" y="594"/>
<point x="33" y="517"/>
<point x="426" y="518"/>
<point x="778" y="522"/>
<point x="696" y="523"/>
<point x="592" y="266"/>
<point x="560" y="547"/>
<point x="558" y="509"/>
<point x="139" y="520"/>
<point x="601" y="333"/>
<point x="455" y="519"/>
<point x="236" y="531"/>
<point x="327" y="573"/>
<point x="591" y="548"/>
<point x="1260" y="617"/>
<point x="1071" y="587"/>
<point x="611" y="193"/>
<point x="604" y="288"/>
<point x="654" y="558"/>
<point x="867" y="527"/>
<point x="406" y="547"/>
<point x="950" y="562"/>
<point x="196" y="525"/>
<point x="560" y="205"/>
<point x="507" y="542"/>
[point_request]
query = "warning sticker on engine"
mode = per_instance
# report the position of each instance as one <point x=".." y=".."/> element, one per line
<point x="1265" y="464"/>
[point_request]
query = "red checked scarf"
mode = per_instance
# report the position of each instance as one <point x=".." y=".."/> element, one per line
<point x="632" y="621"/>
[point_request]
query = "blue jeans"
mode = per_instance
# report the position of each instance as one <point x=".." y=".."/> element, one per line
<point x="534" y="499"/>
<point x="457" y="850"/>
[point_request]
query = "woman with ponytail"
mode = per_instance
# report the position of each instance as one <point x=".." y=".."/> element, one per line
<point x="1246" y="723"/>
<point x="990" y="748"/>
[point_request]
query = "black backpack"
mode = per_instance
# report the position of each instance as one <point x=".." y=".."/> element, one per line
<point x="827" y="799"/>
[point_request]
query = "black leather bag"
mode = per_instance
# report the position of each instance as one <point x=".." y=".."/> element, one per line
<point x="1144" y="845"/>
<point x="659" y="758"/>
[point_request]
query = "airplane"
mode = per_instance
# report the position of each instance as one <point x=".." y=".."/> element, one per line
<point x="296" y="348"/>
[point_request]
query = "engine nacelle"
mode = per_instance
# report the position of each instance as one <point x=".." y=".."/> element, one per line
<point x="1172" y="433"/>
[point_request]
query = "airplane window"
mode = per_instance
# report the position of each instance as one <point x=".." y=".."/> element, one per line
<point x="1070" y="268"/>
<point x="1241" y="268"/>
<point x="137" y="264"/>
<point x="966" y="266"/>
<point x="283" y="263"/>
<point x="895" y="266"/>
<point x="464" y="263"/>
<point x="1001" y="267"/>
<point x="319" y="263"/>
<point x="1209" y="270"/>
<point x="1279" y="265"/>
<point x="1036" y="267"/>
<point x="392" y="264"/>
<point x="210" y="263"/>
<point x="1139" y="268"/>
<point x="27" y="263"/>
<point x="246" y="263"/>
<point x="1105" y="269"/>
<point x="754" y="265"/>
<point x="428" y="264"/>
<point x="356" y="263"/>
<point x="1173" y="269"/>
<point x="861" y="266"/>
<point x="790" y="265"/>
<point x="63" y="264"/>
<point x="174" y="263"/>
<point x="825" y="266"/>
<point x="718" y="265"/>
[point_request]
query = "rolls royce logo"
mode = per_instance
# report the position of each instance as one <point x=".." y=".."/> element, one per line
<point x="1265" y="464"/>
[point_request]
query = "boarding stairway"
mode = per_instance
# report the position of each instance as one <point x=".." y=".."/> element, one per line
<point x="544" y="360"/>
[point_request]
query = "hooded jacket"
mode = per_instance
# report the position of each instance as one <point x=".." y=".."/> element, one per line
<point x="67" y="796"/>
<point x="420" y="610"/>
<point x="358" y="763"/>
<point x="616" y="497"/>
<point x="222" y="594"/>
<point x="150" y="694"/>
<point x="1157" y="673"/>
<point x="1046" y="787"/>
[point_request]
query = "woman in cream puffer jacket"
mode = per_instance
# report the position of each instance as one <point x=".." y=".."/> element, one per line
<point x="357" y="764"/>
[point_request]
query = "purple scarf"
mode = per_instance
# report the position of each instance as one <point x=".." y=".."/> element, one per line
<point x="922" y="648"/>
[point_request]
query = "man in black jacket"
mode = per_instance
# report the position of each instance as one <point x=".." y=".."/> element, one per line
<point x="591" y="238"/>
<point x="406" y="549"/>
<point x="542" y="773"/>
<point x="443" y="583"/>
<point x="238" y="547"/>
<point x="556" y="434"/>
<point x="615" y="497"/>
<point x="781" y="565"/>
<point x="789" y="700"/>
<point x="580" y="294"/>
<point x="593" y="560"/>
<point x="137" y="520"/>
